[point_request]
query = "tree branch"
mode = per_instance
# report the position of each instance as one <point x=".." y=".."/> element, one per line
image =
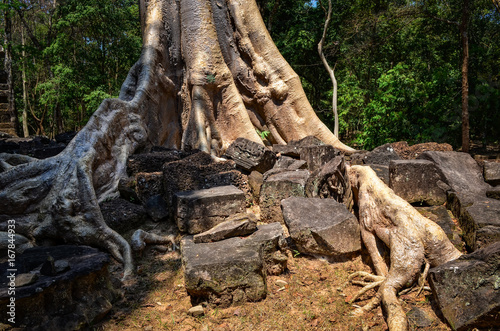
<point x="330" y="71"/>
<point x="34" y="39"/>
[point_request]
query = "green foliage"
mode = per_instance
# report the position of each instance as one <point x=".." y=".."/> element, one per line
<point x="80" y="53"/>
<point x="263" y="134"/>
<point x="398" y="67"/>
<point x="397" y="63"/>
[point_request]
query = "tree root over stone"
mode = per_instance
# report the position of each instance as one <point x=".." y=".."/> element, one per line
<point x="413" y="241"/>
<point x="209" y="73"/>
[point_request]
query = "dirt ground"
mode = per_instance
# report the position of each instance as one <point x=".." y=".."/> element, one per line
<point x="312" y="299"/>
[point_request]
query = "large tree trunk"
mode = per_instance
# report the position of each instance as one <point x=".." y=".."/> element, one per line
<point x="208" y="74"/>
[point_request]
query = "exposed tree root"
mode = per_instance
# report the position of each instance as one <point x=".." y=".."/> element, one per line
<point x="413" y="241"/>
<point x="208" y="74"/>
<point x="140" y="239"/>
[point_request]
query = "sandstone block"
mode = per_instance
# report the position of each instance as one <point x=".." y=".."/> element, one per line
<point x="277" y="187"/>
<point x="467" y="289"/>
<point x="418" y="181"/>
<point x="321" y="226"/>
<point x="249" y="155"/>
<point x="200" y="210"/>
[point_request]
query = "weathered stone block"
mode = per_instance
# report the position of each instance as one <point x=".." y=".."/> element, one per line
<point x="191" y="173"/>
<point x="479" y="218"/>
<point x="317" y="156"/>
<point x="381" y="155"/>
<point x="148" y="184"/>
<point x="460" y="171"/>
<point x="74" y="298"/>
<point x="255" y="180"/>
<point x="294" y="147"/>
<point x="269" y="239"/>
<point x="200" y="210"/>
<point x="156" y="207"/>
<point x="467" y="289"/>
<point x="277" y="187"/>
<point x="122" y="215"/>
<point x="234" y="226"/>
<point x="321" y="226"/>
<point x="223" y="272"/>
<point x="492" y="172"/>
<point x="151" y="162"/>
<point x="249" y="155"/>
<point x="418" y="181"/>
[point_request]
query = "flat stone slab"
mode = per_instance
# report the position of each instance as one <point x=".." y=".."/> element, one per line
<point x="461" y="172"/>
<point x="77" y="295"/>
<point x="467" y="289"/>
<point x="321" y="226"/>
<point x="249" y="155"/>
<point x="277" y="187"/>
<point x="492" y="172"/>
<point x="234" y="226"/>
<point x="231" y="271"/>
<point x="200" y="210"/>
<point x="418" y="181"/>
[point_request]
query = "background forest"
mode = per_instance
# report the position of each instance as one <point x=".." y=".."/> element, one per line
<point x="398" y="63"/>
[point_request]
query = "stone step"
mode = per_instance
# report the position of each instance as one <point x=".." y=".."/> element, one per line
<point x="4" y="106"/>
<point x="4" y="87"/>
<point x="234" y="270"/>
<point x="6" y="125"/>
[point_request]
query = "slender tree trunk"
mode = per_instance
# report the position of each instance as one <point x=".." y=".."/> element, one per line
<point x="464" y="34"/>
<point x="497" y="5"/>
<point x="25" y="92"/>
<point x="8" y="67"/>
<point x="330" y="70"/>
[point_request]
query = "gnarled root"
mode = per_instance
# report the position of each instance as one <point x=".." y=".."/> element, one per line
<point x="141" y="238"/>
<point x="369" y="281"/>
<point x="412" y="239"/>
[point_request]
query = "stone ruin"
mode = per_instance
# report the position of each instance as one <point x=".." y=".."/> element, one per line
<point x="237" y="218"/>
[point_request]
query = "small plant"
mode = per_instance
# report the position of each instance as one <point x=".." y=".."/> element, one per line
<point x="263" y="134"/>
<point x="211" y="79"/>
<point x="295" y="253"/>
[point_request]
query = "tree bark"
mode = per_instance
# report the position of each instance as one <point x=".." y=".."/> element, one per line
<point x="25" y="93"/>
<point x="8" y="68"/>
<point x="412" y="239"/>
<point x="208" y="74"/>
<point x="464" y="35"/>
<point x="497" y="5"/>
<point x="329" y="69"/>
